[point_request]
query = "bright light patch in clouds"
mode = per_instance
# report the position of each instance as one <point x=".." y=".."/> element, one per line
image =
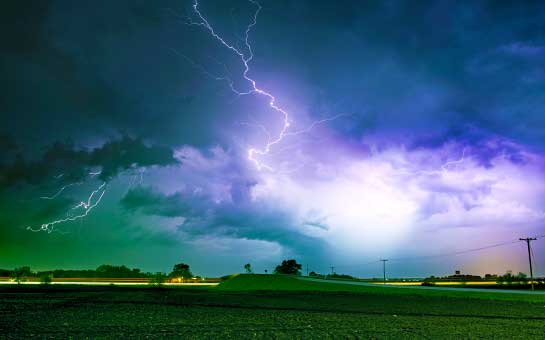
<point x="368" y="206"/>
<point x="377" y="201"/>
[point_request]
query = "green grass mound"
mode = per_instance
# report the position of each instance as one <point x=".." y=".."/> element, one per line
<point x="248" y="282"/>
<point x="252" y="282"/>
<point x="263" y="282"/>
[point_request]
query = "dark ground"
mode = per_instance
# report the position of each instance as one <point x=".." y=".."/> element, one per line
<point x="114" y="312"/>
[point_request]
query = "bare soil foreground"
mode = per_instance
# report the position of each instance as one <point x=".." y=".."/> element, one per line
<point x="239" y="309"/>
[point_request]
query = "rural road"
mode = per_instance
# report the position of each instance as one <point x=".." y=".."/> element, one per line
<point x="510" y="291"/>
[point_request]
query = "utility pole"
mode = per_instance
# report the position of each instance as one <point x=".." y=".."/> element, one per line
<point x="332" y="270"/>
<point x="307" y="269"/>
<point x="528" y="240"/>
<point x="384" y="269"/>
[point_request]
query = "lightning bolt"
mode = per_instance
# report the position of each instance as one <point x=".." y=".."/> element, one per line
<point x="313" y="125"/>
<point x="87" y="206"/>
<point x="442" y="171"/>
<point x="254" y="154"/>
<point x="83" y="208"/>
<point x="246" y="58"/>
<point x="445" y="166"/>
<point x="60" y="191"/>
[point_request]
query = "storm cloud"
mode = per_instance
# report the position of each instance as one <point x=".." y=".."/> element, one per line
<point x="63" y="160"/>
<point x="411" y="126"/>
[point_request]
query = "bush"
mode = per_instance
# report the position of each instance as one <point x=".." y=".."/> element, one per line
<point x="290" y="267"/>
<point x="510" y="278"/>
<point x="428" y="284"/>
<point x="340" y="276"/>
<point x="46" y="279"/>
<point x="158" y="279"/>
<point x="20" y="274"/>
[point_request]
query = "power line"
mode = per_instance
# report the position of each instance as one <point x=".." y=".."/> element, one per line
<point x="358" y="265"/>
<point x="461" y="252"/>
<point x="455" y="253"/>
<point x="433" y="256"/>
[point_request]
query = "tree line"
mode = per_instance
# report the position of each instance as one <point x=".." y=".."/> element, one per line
<point x="21" y="274"/>
<point x="180" y="272"/>
<point x="105" y="270"/>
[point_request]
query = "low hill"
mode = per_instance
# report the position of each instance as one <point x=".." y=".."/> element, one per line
<point x="252" y="282"/>
<point x="264" y="282"/>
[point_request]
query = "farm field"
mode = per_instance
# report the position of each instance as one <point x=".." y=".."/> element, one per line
<point x="266" y="306"/>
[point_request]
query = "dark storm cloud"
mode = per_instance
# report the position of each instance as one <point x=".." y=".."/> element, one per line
<point x="42" y="86"/>
<point x="9" y="151"/>
<point x="87" y="71"/>
<point x="248" y="220"/>
<point x="25" y="19"/>
<point x="150" y="202"/>
<point x="423" y="74"/>
<point x="125" y="153"/>
<point x="7" y="144"/>
<point x="64" y="161"/>
<point x="419" y="69"/>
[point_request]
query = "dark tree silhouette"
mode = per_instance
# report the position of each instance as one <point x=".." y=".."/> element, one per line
<point x="104" y="270"/>
<point x="46" y="279"/>
<point x="20" y="274"/>
<point x="288" y="267"/>
<point x="181" y="270"/>
<point x="509" y="277"/>
<point x="248" y="268"/>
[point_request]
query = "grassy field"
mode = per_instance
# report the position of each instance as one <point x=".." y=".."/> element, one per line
<point x="248" y="306"/>
<point x="287" y="283"/>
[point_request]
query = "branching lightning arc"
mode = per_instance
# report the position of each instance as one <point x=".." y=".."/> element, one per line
<point x="254" y="153"/>
<point x="79" y="211"/>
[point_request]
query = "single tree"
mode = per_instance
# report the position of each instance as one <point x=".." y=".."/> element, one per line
<point x="290" y="267"/>
<point x="20" y="274"/>
<point x="248" y="268"/>
<point x="181" y="270"/>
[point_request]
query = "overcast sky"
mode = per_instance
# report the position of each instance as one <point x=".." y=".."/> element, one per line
<point x="415" y="128"/>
